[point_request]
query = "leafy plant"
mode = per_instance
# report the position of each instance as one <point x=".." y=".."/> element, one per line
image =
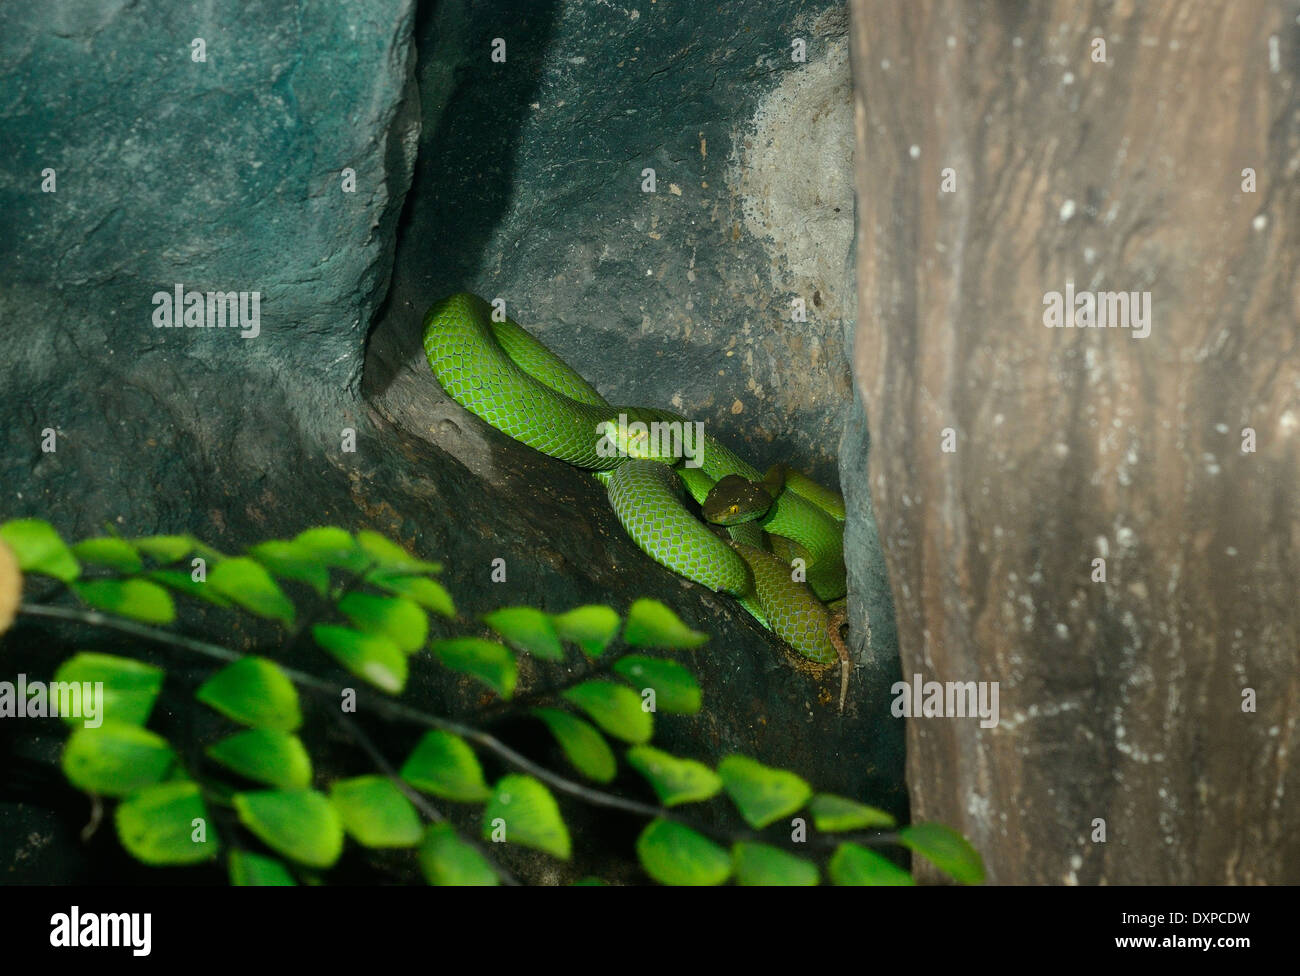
<point x="379" y="612"/>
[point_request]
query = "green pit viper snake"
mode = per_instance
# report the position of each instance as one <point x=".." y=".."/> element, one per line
<point x="509" y="379"/>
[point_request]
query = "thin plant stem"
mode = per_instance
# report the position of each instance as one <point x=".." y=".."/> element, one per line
<point x="398" y="710"/>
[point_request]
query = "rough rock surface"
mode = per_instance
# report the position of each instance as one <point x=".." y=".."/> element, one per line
<point x="528" y="188"/>
<point x="1122" y="701"/>
<point x="531" y="190"/>
<point x="221" y="175"/>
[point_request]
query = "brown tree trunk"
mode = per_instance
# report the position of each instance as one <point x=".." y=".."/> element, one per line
<point x="1126" y="702"/>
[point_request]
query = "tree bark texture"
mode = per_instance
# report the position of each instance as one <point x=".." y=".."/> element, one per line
<point x="998" y="159"/>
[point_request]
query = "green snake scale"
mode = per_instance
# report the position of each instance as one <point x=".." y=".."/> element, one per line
<point x="509" y="379"/>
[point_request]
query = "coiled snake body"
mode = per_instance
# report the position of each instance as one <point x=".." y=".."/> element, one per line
<point x="508" y="378"/>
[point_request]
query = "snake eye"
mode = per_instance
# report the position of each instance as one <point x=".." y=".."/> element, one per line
<point x="733" y="510"/>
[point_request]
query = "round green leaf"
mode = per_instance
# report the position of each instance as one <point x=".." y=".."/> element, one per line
<point x="253" y="691"/>
<point x="856" y="865"/>
<point x="39" y="549"/>
<point x="676" y="691"/>
<point x="591" y="627"/>
<point x="248" y="869"/>
<point x="135" y="598"/>
<point x="375" y="812"/>
<point x="300" y="824"/>
<point x="247" y="583"/>
<point x="651" y="624"/>
<point x="488" y="661"/>
<point x="763" y="864"/>
<point x="330" y="546"/>
<point x="165" y="548"/>
<point x="388" y="555"/>
<point x="445" y="859"/>
<point x="109" y="551"/>
<point x="442" y="764"/>
<point x="674" y="780"/>
<point x="583" y="745"/>
<point x="116" y="759"/>
<point x="394" y="617"/>
<point x="614" y="708"/>
<point x="676" y="855"/>
<point x="290" y="561"/>
<point x="184" y="583"/>
<point x="425" y="592"/>
<point x="529" y="814"/>
<point x="528" y="630"/>
<point x="762" y="794"/>
<point x="130" y="687"/>
<point x="835" y="813"/>
<point x="267" y="755"/>
<point x="946" y="849"/>
<point x="370" y="657"/>
<point x="167" y="824"/>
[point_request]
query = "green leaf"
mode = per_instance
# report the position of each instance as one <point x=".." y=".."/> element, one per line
<point x="530" y="815"/>
<point x="528" y="630"/>
<point x="39" y="549"/>
<point x="676" y="691"/>
<point x="184" y="583"/>
<point x="676" y="855"/>
<point x="425" y="592"/>
<point x="253" y="691"/>
<point x="370" y="657"/>
<point x="135" y="598"/>
<point x="300" y="824"/>
<point x="674" y="780"/>
<point x="267" y="755"/>
<point x="762" y="864"/>
<point x="248" y="584"/>
<point x="651" y="624"/>
<point x="130" y="686"/>
<point x="762" y="794"/>
<point x="591" y="627"/>
<point x="445" y="859"/>
<point x="167" y="824"/>
<point x="388" y="555"/>
<point x="614" y="708"/>
<point x="109" y="551"/>
<point x="375" y="812"/>
<point x="442" y="764"/>
<point x="290" y="561"/>
<point x="330" y="546"/>
<point x="583" y="745"/>
<point x="165" y="548"/>
<point x="855" y="865"/>
<point x="394" y="617"/>
<point x="833" y="813"/>
<point x="206" y="553"/>
<point x="946" y="849"/>
<point x="116" y="759"/>
<point x="488" y="661"/>
<point x="254" y="870"/>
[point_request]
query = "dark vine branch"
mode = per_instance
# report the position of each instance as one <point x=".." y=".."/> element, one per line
<point x="399" y="711"/>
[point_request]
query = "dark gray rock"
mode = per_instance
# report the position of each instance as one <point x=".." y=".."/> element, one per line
<point x="528" y="188"/>
<point x="221" y="175"/>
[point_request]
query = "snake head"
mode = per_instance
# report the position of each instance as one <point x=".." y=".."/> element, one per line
<point x="633" y="439"/>
<point x="734" y="500"/>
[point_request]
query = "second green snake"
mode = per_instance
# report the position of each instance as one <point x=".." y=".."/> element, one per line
<point x="508" y="378"/>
